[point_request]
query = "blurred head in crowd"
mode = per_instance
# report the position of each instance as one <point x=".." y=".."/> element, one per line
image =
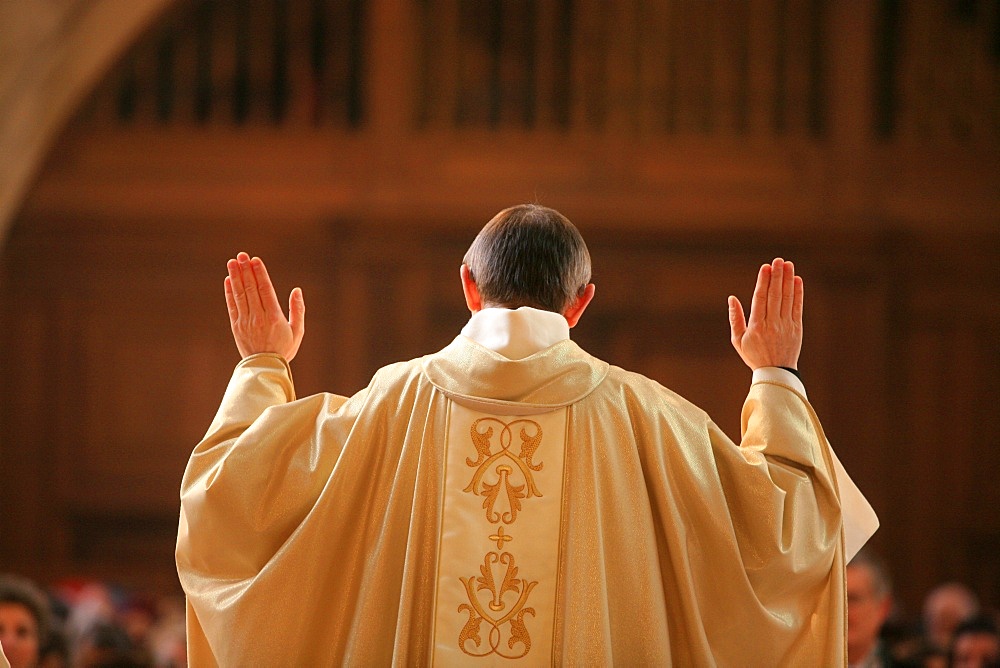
<point x="108" y="644"/>
<point x="24" y="620"/>
<point x="869" y="601"/>
<point x="976" y="644"/>
<point x="946" y="607"/>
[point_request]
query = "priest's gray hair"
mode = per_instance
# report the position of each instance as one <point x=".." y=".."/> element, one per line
<point x="529" y="255"/>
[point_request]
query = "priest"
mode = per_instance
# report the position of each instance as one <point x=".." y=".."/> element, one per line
<point x="512" y="498"/>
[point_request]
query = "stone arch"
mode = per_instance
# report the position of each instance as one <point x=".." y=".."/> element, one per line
<point x="58" y="52"/>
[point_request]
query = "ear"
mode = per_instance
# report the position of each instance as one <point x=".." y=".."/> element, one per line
<point x="472" y="298"/>
<point x="573" y="312"/>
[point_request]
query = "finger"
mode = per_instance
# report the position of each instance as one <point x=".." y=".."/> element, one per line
<point x="236" y="282"/>
<point x="774" y="289"/>
<point x="737" y="321"/>
<point x="249" y="284"/>
<point x="265" y="288"/>
<point x="787" y="290"/>
<point x="234" y="312"/>
<point x="797" y="300"/>
<point x="297" y="313"/>
<point x="758" y="305"/>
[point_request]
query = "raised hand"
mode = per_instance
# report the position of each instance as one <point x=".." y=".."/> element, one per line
<point x="255" y="315"/>
<point x="773" y="335"/>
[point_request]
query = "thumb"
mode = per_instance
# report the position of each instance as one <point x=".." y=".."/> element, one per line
<point x="297" y="313"/>
<point x="737" y="320"/>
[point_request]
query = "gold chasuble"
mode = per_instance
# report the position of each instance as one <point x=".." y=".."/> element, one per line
<point x="470" y="509"/>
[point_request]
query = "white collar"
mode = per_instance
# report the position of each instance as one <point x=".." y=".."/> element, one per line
<point x="516" y="334"/>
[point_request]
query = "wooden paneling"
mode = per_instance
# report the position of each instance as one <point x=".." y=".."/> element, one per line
<point x="945" y="384"/>
<point x="745" y="67"/>
<point x="228" y="63"/>
<point x="943" y="85"/>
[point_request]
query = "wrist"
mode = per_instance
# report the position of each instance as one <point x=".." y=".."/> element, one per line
<point x="781" y="376"/>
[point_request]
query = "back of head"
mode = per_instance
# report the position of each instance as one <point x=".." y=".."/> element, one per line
<point x="529" y="255"/>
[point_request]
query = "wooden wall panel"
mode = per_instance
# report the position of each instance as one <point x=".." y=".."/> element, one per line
<point x="948" y="426"/>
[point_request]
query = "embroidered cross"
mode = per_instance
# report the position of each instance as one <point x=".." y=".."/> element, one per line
<point x="500" y="538"/>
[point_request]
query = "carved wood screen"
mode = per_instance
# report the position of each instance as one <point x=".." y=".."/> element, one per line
<point x="646" y="67"/>
<point x="642" y="68"/>
<point x="937" y="71"/>
<point x="213" y="62"/>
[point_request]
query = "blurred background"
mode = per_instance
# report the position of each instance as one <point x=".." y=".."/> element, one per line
<point x="359" y="145"/>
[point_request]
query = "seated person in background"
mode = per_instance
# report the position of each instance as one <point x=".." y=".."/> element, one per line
<point x="25" y="621"/>
<point x="976" y="644"/>
<point x="869" y="601"/>
<point x="947" y="606"/>
<point x="108" y="644"/>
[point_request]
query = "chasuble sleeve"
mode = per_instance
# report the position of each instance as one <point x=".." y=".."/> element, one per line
<point x="781" y="491"/>
<point x="255" y="474"/>
<point x="296" y="516"/>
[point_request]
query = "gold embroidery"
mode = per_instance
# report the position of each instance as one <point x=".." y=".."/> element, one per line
<point x="517" y="632"/>
<point x="500" y="538"/>
<point x="491" y="491"/>
<point x="482" y="432"/>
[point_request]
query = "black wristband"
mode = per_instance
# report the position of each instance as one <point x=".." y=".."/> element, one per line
<point x="795" y="371"/>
